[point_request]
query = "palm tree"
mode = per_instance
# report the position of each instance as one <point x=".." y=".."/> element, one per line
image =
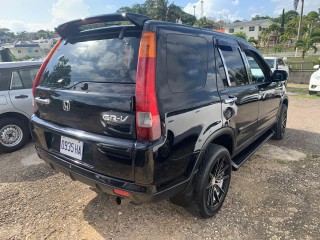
<point x="308" y="42"/>
<point x="295" y="4"/>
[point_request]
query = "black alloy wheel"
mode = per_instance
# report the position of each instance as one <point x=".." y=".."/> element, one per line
<point x="213" y="180"/>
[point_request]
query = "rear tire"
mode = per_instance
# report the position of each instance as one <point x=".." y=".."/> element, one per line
<point x="14" y="134"/>
<point x="280" y="126"/>
<point x="312" y="93"/>
<point x="213" y="180"/>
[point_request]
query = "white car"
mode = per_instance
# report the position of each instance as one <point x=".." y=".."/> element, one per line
<point x="277" y="63"/>
<point x="314" y="84"/>
<point x="16" y="79"/>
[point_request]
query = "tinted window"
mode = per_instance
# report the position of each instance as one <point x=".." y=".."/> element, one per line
<point x="106" y="60"/>
<point x="5" y="76"/>
<point x="221" y="71"/>
<point x="234" y="63"/>
<point x="23" y="78"/>
<point x="187" y="60"/>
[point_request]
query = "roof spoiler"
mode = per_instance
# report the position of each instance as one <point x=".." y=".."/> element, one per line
<point x="73" y="27"/>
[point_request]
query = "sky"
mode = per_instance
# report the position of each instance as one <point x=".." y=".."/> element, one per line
<point x="33" y="15"/>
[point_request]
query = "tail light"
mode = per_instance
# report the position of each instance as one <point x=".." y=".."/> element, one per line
<point x="147" y="114"/>
<point x="43" y="67"/>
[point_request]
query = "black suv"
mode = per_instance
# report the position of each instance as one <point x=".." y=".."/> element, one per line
<point x="149" y="110"/>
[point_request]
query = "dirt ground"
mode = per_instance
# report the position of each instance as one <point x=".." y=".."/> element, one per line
<point x="275" y="195"/>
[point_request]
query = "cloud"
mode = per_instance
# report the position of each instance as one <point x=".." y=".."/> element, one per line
<point x="60" y="12"/>
<point x="63" y="11"/>
<point x="111" y="8"/>
<point x="235" y="2"/>
<point x="20" y="26"/>
<point x="288" y="5"/>
<point x="213" y="9"/>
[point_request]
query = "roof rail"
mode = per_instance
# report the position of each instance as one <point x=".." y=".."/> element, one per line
<point x="73" y="27"/>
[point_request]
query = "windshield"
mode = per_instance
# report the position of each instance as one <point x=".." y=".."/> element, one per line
<point x="270" y="62"/>
<point x="107" y="60"/>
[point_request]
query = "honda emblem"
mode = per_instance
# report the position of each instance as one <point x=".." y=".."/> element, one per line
<point x="66" y="105"/>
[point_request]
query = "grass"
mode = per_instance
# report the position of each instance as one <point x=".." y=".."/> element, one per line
<point x="302" y="91"/>
<point x="306" y="96"/>
<point x="298" y="90"/>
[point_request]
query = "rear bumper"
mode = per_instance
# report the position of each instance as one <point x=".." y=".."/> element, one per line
<point x="116" y="152"/>
<point x="139" y="194"/>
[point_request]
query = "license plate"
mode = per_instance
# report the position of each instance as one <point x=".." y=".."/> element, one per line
<point x="71" y="147"/>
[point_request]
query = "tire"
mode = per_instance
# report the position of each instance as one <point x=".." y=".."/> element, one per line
<point x="14" y="134"/>
<point x="213" y="180"/>
<point x="280" y="126"/>
<point x="312" y="93"/>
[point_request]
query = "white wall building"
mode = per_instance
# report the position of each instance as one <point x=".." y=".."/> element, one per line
<point x="252" y="29"/>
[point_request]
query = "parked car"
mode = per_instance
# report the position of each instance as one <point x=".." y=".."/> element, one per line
<point x="314" y="84"/>
<point x="277" y="63"/>
<point x="154" y="110"/>
<point x="16" y="80"/>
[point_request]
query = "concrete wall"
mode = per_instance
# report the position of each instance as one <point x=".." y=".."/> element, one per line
<point x="300" y="76"/>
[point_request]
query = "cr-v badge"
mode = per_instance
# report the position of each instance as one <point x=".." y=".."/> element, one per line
<point x="66" y="105"/>
<point x="114" y="118"/>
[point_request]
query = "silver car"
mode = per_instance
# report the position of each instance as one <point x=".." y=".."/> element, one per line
<point x="16" y="80"/>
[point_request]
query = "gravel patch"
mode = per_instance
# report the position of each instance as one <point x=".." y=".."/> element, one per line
<point x="275" y="195"/>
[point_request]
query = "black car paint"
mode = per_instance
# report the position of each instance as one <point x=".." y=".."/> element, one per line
<point x="170" y="162"/>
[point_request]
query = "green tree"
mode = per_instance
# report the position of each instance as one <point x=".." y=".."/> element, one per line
<point x="240" y="35"/>
<point x="253" y="41"/>
<point x="308" y="42"/>
<point x="205" y="23"/>
<point x="7" y="32"/>
<point x="160" y="10"/>
<point x="258" y="17"/>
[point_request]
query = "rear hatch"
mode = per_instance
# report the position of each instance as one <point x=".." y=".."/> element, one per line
<point x="90" y="84"/>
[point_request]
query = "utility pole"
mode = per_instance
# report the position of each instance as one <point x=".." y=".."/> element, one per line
<point x="300" y="24"/>
<point x="201" y="13"/>
<point x="194" y="10"/>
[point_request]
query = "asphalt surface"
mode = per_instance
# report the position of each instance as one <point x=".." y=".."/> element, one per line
<point x="275" y="195"/>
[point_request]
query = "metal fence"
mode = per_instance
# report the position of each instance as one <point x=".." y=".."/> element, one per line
<point x="300" y="65"/>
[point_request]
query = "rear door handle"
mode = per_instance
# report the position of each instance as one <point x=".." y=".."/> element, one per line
<point x="230" y="100"/>
<point x="21" y="96"/>
<point x="42" y="101"/>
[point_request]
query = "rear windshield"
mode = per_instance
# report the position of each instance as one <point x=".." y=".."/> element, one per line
<point x="107" y="60"/>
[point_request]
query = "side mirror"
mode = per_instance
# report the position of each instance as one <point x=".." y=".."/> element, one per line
<point x="316" y="66"/>
<point x="279" y="75"/>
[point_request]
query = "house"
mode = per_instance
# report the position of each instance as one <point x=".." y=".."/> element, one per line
<point x="252" y="29"/>
<point x="4" y="39"/>
<point x="25" y="50"/>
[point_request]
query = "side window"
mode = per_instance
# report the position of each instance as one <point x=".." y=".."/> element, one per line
<point x="5" y="75"/>
<point x="23" y="78"/>
<point x="221" y="70"/>
<point x="256" y="68"/>
<point x="187" y="62"/>
<point x="234" y="63"/>
<point x="280" y="62"/>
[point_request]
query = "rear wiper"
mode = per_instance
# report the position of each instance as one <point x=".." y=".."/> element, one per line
<point x="122" y="32"/>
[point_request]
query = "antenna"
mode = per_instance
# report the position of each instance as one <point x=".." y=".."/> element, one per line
<point x="201" y="10"/>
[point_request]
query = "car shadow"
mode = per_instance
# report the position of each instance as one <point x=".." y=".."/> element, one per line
<point x="300" y="140"/>
<point x="23" y="165"/>
<point x="111" y="220"/>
